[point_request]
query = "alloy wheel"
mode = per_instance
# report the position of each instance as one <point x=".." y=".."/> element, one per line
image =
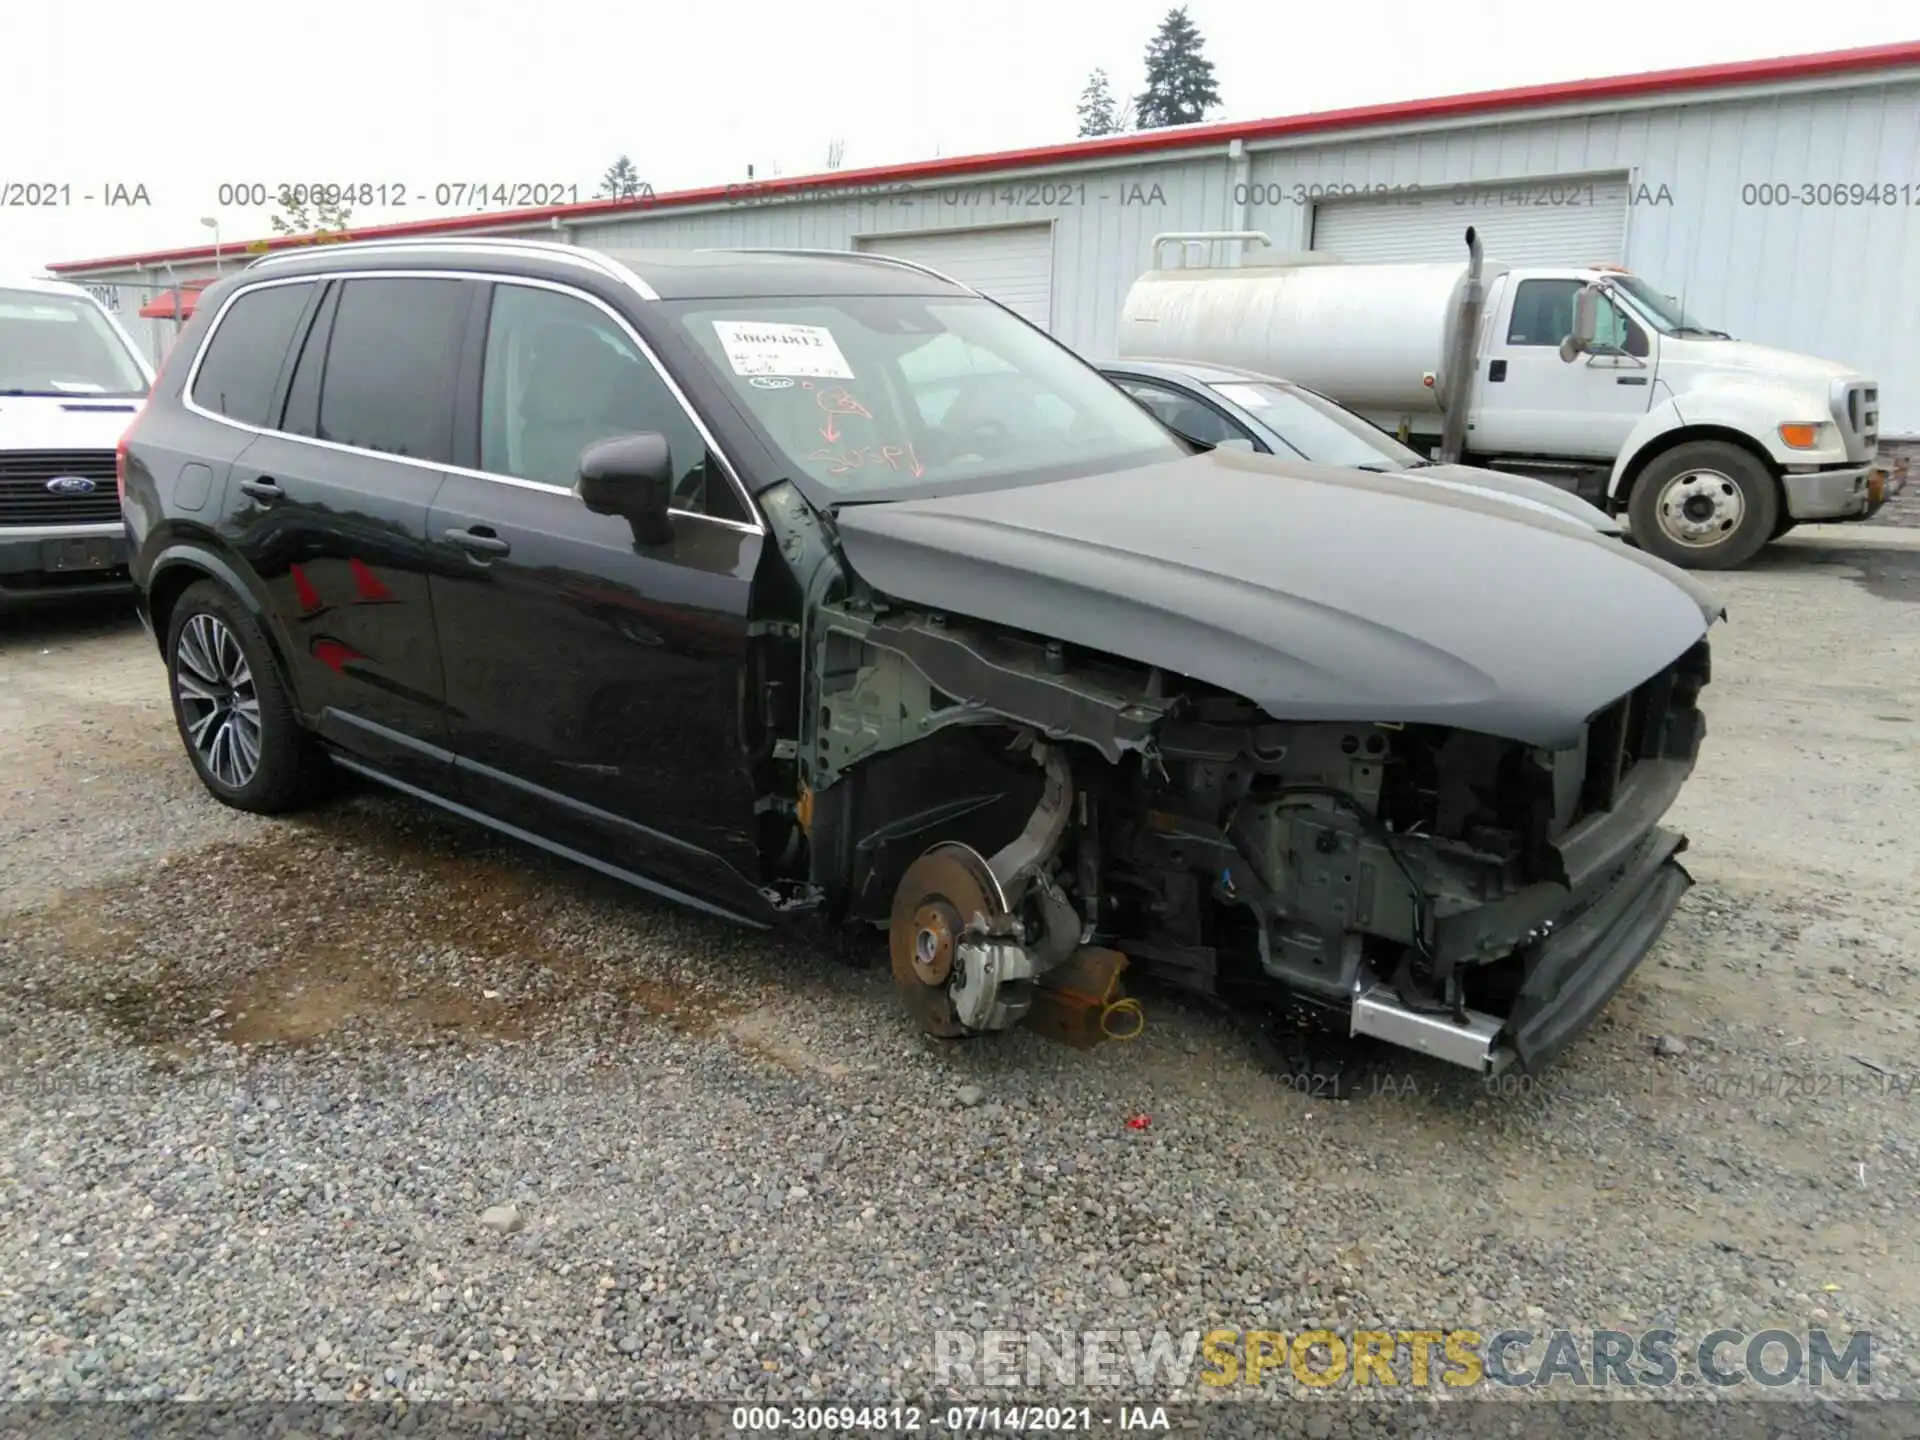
<point x="219" y="705"/>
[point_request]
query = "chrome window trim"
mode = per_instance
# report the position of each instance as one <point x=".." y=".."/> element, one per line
<point x="593" y="260"/>
<point x="755" y="526"/>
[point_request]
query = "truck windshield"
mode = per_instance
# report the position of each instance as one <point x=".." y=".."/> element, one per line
<point x="1316" y="429"/>
<point x="1664" y="312"/>
<point x="874" y="397"/>
<point x="62" y="345"/>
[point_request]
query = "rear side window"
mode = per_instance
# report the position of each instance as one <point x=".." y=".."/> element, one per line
<point x="242" y="362"/>
<point x="388" y="384"/>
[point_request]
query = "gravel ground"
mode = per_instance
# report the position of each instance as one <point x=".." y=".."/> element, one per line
<point x="369" y="1104"/>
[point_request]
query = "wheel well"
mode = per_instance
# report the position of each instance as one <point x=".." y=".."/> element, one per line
<point x="1689" y="435"/>
<point x="165" y="591"/>
<point x="168" y="585"/>
<point x="960" y="784"/>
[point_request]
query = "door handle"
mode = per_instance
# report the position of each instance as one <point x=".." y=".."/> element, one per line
<point x="263" y="489"/>
<point x="1497" y="370"/>
<point x="479" y="541"/>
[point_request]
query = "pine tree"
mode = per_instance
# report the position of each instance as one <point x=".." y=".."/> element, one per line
<point x="1180" y="85"/>
<point x="622" y="181"/>
<point x="1096" y="107"/>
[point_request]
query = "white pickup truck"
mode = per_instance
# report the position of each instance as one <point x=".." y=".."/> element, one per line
<point x="1586" y="375"/>
<point x="71" y="382"/>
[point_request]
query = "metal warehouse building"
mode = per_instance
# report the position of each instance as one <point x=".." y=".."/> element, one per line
<point x="1780" y="199"/>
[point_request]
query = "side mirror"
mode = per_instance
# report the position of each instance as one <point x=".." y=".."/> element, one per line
<point x="1238" y="442"/>
<point x="1586" y="320"/>
<point x="632" y="477"/>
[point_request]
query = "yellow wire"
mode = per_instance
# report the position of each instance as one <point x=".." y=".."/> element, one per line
<point x="1127" y="1006"/>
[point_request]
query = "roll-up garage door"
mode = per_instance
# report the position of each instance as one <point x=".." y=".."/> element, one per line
<point x="1572" y="221"/>
<point x="1014" y="265"/>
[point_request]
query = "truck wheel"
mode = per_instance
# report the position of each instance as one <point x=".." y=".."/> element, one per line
<point x="1705" y="506"/>
<point x="232" y="708"/>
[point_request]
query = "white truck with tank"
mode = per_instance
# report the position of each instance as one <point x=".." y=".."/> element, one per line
<point x="1585" y="375"/>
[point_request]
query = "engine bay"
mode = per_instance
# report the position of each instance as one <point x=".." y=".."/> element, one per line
<point x="1023" y="818"/>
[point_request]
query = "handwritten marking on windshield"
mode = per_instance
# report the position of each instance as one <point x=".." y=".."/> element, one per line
<point x="837" y="401"/>
<point x="840" y="401"/>
<point x="859" y="457"/>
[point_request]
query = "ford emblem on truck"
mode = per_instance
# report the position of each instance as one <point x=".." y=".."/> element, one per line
<point x="70" y="485"/>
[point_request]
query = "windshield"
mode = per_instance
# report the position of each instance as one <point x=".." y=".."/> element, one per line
<point x="876" y="396"/>
<point x="1318" y="430"/>
<point x="62" y="345"/>
<point x="1663" y="312"/>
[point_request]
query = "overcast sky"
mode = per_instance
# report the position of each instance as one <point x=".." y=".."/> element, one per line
<point x="181" y="100"/>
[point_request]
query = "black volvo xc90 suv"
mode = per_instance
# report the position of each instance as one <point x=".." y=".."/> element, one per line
<point x="809" y="584"/>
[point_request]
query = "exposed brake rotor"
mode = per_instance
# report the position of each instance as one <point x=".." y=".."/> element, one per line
<point x="938" y="898"/>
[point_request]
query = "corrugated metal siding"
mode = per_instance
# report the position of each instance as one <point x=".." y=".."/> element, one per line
<point x="1103" y="224"/>
<point x="1013" y="264"/>
<point x="1562" y="220"/>
<point x="1826" y="279"/>
<point x="1829" y="279"/>
<point x="1841" y="281"/>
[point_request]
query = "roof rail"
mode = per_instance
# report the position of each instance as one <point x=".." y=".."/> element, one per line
<point x="874" y="255"/>
<point x="485" y="244"/>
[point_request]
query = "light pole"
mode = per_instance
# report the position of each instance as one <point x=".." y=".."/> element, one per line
<point x="213" y="225"/>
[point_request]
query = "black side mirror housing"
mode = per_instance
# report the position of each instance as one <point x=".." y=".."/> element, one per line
<point x="631" y="476"/>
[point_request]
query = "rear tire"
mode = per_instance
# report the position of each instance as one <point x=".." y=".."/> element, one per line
<point x="1707" y="505"/>
<point x="232" y="708"/>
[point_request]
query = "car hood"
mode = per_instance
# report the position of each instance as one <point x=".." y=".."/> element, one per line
<point x="1523" y="488"/>
<point x="1318" y="594"/>
<point x="1706" y="358"/>
<point x="64" y="422"/>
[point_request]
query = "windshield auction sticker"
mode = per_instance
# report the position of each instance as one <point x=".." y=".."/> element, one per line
<point x="782" y="350"/>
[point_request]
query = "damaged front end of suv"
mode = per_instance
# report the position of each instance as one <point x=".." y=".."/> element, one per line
<point x="1046" y="693"/>
<point x="1027" y="814"/>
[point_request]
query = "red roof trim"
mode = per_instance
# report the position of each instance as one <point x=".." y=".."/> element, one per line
<point x="161" y="306"/>
<point x="1485" y="102"/>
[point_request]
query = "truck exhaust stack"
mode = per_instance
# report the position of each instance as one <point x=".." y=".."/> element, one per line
<point x="1458" y="394"/>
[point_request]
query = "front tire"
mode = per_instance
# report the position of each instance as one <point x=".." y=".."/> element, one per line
<point x="1706" y="505"/>
<point x="232" y="708"/>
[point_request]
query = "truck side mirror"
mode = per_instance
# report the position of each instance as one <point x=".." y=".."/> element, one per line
<point x="1586" y="319"/>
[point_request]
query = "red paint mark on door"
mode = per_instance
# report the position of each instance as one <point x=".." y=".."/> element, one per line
<point x="303" y="587"/>
<point x="334" y="655"/>
<point x="367" y="583"/>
